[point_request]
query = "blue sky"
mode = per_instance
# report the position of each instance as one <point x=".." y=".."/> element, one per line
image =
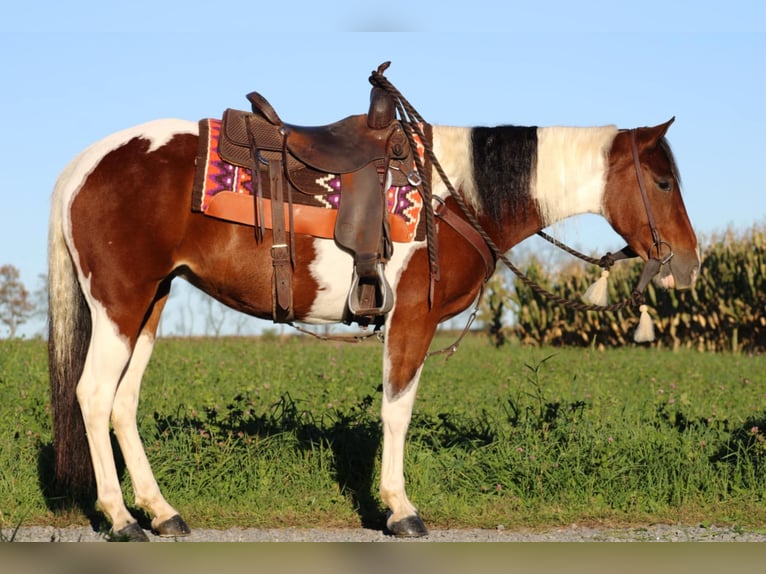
<point x="77" y="71"/>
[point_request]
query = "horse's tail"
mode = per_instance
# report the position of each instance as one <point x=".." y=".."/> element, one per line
<point x="69" y="331"/>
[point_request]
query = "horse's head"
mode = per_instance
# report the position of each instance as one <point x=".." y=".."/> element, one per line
<point x="643" y="203"/>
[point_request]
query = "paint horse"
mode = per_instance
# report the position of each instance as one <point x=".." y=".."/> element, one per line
<point x="121" y="229"/>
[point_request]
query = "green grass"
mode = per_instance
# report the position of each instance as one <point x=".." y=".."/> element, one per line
<point x="245" y="432"/>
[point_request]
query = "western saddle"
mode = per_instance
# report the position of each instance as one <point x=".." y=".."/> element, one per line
<point x="369" y="153"/>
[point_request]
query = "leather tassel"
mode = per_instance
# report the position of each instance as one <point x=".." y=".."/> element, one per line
<point x="598" y="293"/>
<point x="645" y="331"/>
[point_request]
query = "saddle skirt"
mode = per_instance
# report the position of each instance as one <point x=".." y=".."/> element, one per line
<point x="224" y="186"/>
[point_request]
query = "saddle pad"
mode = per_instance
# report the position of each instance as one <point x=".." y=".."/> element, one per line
<point x="225" y="191"/>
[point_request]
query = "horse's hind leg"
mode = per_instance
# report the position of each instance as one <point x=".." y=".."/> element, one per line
<point x="107" y="358"/>
<point x="165" y="519"/>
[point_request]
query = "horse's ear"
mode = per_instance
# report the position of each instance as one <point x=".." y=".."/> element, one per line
<point x="653" y="135"/>
<point x="664" y="127"/>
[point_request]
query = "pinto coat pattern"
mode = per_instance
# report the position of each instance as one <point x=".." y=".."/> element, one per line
<point x="121" y="229"/>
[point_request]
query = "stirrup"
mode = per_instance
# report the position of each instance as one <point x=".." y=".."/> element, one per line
<point x="370" y="296"/>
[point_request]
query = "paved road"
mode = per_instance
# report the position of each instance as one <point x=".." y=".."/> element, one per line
<point x="659" y="533"/>
<point x="392" y="558"/>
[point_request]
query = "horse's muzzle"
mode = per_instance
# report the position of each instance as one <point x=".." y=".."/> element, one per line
<point x="679" y="273"/>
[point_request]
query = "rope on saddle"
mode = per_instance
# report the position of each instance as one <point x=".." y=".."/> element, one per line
<point x="413" y="124"/>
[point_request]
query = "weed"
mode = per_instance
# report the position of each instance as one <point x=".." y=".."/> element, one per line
<point x="12" y="536"/>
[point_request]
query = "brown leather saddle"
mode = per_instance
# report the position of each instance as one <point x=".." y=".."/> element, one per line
<point x="369" y="152"/>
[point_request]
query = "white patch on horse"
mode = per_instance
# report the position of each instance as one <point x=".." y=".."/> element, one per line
<point x="332" y="269"/>
<point x="571" y="170"/>
<point x="160" y="132"/>
<point x="452" y="146"/>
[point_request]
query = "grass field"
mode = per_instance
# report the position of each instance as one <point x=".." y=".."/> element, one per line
<point x="245" y="432"/>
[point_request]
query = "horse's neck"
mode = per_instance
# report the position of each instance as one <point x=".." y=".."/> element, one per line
<point x="568" y="170"/>
<point x="571" y="171"/>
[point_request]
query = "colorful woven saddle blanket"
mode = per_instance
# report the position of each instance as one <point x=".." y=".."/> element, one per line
<point x="225" y="190"/>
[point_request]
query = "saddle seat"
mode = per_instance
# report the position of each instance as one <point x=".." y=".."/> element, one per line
<point x="344" y="146"/>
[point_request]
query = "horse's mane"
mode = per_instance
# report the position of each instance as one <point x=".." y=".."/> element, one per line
<point x="504" y="159"/>
<point x="665" y="145"/>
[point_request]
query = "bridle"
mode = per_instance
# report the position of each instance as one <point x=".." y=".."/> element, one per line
<point x="655" y="259"/>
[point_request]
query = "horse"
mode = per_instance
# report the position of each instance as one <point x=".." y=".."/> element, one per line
<point x="121" y="230"/>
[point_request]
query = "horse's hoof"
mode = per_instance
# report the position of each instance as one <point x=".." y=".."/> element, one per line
<point x="410" y="527"/>
<point x="131" y="533"/>
<point x="173" y="526"/>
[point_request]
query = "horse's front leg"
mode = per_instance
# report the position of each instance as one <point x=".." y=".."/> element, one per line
<point x="405" y="350"/>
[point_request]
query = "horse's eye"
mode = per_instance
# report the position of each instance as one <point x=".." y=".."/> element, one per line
<point x="664" y="184"/>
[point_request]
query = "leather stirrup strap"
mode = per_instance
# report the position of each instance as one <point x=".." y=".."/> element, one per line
<point x="359" y="225"/>
<point x="259" y="224"/>
<point x="280" y="251"/>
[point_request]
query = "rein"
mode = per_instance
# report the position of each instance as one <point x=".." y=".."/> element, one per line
<point x="412" y="123"/>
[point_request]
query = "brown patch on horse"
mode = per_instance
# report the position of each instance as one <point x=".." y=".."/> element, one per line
<point x="111" y="214"/>
<point x="132" y="226"/>
<point x="413" y="323"/>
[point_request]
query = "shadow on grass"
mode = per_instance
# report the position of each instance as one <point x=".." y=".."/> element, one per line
<point x="746" y="446"/>
<point x="81" y="500"/>
<point x="353" y="435"/>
